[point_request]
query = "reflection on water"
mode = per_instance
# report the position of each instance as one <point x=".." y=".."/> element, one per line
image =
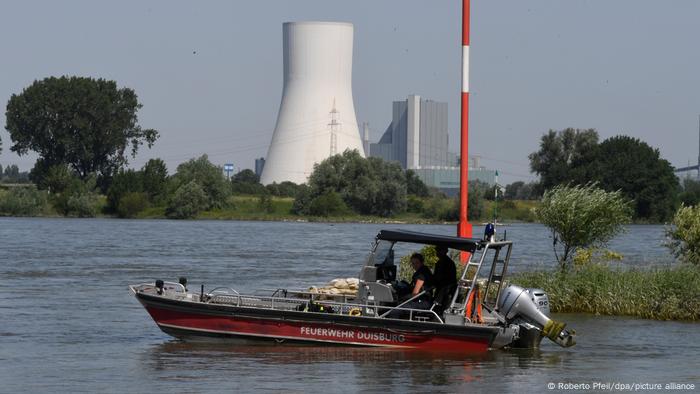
<point x="362" y="368"/>
<point x="370" y="367"/>
<point x="69" y="324"/>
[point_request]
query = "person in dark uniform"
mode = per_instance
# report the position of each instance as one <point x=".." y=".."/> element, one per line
<point x="445" y="279"/>
<point x="422" y="280"/>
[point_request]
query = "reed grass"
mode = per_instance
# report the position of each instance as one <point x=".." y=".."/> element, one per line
<point x="656" y="293"/>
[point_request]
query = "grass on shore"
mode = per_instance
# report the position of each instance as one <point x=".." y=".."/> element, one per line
<point x="660" y="294"/>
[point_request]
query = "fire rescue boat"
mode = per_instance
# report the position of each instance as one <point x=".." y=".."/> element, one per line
<point x="484" y="313"/>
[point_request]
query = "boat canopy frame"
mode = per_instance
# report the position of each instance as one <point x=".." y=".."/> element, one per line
<point x="470" y="245"/>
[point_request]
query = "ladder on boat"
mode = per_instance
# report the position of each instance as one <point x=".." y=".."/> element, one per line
<point x="469" y="282"/>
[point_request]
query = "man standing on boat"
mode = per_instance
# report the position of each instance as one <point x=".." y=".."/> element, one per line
<point x="445" y="279"/>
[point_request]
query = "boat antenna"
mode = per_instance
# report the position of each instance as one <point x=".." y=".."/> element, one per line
<point x="496" y="187"/>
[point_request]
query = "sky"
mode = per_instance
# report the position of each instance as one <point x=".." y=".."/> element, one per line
<point x="209" y="73"/>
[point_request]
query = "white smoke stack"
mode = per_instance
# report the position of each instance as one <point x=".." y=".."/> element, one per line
<point x="317" y="114"/>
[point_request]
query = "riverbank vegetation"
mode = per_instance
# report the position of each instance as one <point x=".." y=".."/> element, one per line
<point x="684" y="235"/>
<point x="343" y="188"/>
<point x="671" y="293"/>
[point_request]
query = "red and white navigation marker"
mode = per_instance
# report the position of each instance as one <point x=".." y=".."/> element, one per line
<point x="464" y="228"/>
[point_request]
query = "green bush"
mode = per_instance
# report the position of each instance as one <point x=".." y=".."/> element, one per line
<point x="187" y="201"/>
<point x="302" y="200"/>
<point x="415" y="186"/>
<point x="82" y="205"/>
<point x="23" y="201"/>
<point x="327" y="204"/>
<point x="265" y="203"/>
<point x="441" y="208"/>
<point x="131" y="204"/>
<point x="582" y="216"/>
<point x="79" y="199"/>
<point x="123" y="183"/>
<point x="684" y="234"/>
<point x="284" y="189"/>
<point x="414" y="204"/>
<point x="247" y="182"/>
<point x="208" y="176"/>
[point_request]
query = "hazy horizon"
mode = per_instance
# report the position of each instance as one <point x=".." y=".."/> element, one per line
<point x="209" y="75"/>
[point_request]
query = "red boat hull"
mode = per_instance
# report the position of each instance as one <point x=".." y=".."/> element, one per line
<point x="187" y="320"/>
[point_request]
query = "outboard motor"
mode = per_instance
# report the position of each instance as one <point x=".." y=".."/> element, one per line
<point x="539" y="297"/>
<point x="532" y="306"/>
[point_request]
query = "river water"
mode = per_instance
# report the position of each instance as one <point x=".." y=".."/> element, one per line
<point x="69" y="324"/>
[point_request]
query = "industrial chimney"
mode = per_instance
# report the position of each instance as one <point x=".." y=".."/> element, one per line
<point x="317" y="115"/>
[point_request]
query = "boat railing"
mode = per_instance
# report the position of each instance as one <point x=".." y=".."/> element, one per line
<point x="176" y="287"/>
<point x="291" y="301"/>
<point x="324" y="306"/>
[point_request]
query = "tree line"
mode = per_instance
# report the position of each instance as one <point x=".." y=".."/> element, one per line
<point x="85" y="130"/>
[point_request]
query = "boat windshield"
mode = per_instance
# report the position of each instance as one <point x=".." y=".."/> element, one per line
<point x="383" y="253"/>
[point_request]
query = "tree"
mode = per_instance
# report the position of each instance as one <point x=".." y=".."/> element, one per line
<point x="513" y="189"/>
<point x="154" y="176"/>
<point x="131" y="204"/>
<point x="78" y="199"/>
<point x="415" y="186"/>
<point x="57" y="179"/>
<point x="581" y="217"/>
<point x="265" y="203"/>
<point x="85" y="123"/>
<point x="12" y="173"/>
<point x="684" y="234"/>
<point x="123" y="183"/>
<point x="246" y="182"/>
<point x="302" y="199"/>
<point x="368" y="186"/>
<point x="442" y="208"/>
<point x="327" y="204"/>
<point x="188" y="200"/>
<point x="475" y="207"/>
<point x="284" y="189"/>
<point x="637" y="170"/>
<point x="245" y="176"/>
<point x="208" y="176"/>
<point x="560" y="152"/>
<point x="690" y="195"/>
<point x="23" y="201"/>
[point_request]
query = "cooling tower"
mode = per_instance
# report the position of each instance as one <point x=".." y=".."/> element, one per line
<point x="317" y="116"/>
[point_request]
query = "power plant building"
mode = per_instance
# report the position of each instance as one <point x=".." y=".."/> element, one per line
<point x="417" y="135"/>
<point x="316" y="118"/>
<point x="259" y="165"/>
<point x="418" y="139"/>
